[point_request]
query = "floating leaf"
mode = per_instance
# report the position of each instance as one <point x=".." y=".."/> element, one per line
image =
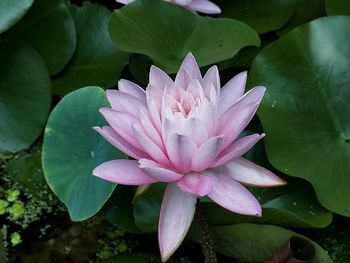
<point x="119" y="209"/>
<point x="72" y="149"/>
<point x="306" y="109"/>
<point x="306" y="11"/>
<point x="255" y="243"/>
<point x="49" y="28"/>
<point x="96" y="60"/>
<point x="166" y="33"/>
<point x="11" y="12"/>
<point x="338" y="7"/>
<point x="262" y="16"/>
<point x="25" y="95"/>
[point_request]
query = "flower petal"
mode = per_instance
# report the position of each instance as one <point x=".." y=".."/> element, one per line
<point x="250" y="174"/>
<point x="176" y="215"/>
<point x="181" y="149"/>
<point x="211" y="78"/>
<point x="190" y="65"/>
<point x="159" y="78"/>
<point x="117" y="141"/>
<point x="232" y="91"/>
<point x="204" y="6"/>
<point x="235" y="119"/>
<point x="149" y="128"/>
<point x="121" y="122"/>
<point x="122" y="172"/>
<point x="132" y="89"/>
<point x="237" y="149"/>
<point x="233" y="196"/>
<point x="149" y="146"/>
<point x="182" y="79"/>
<point x="124" y="102"/>
<point x="206" y="153"/>
<point x="194" y="183"/>
<point x="159" y="172"/>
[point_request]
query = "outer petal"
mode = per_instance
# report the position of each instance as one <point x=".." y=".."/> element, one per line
<point x="175" y="218"/>
<point x="211" y="78"/>
<point x="249" y="173"/>
<point x="149" y="146"/>
<point x="181" y="149"/>
<point x="194" y="183"/>
<point x="206" y="154"/>
<point x="122" y="172"/>
<point x="132" y="89"/>
<point x="117" y="141"/>
<point x="121" y="122"/>
<point x="190" y="65"/>
<point x="235" y="119"/>
<point x="232" y="91"/>
<point x="159" y="78"/>
<point x="155" y="94"/>
<point x="204" y="6"/>
<point x="182" y="79"/>
<point x="124" y="102"/>
<point x="233" y="196"/>
<point x="159" y="172"/>
<point x="237" y="149"/>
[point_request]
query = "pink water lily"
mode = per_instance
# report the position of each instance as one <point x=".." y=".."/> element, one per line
<point x="184" y="133"/>
<point x="203" y="6"/>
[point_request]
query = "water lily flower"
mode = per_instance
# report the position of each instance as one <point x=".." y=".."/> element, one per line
<point x="203" y="6"/>
<point x="184" y="133"/>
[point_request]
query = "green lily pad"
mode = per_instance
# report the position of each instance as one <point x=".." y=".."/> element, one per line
<point x="72" y="149"/>
<point x="96" y="60"/>
<point x="148" y="27"/>
<point x="25" y="95"/>
<point x="305" y="110"/>
<point x="306" y="11"/>
<point x="147" y="208"/>
<point x="262" y="16"/>
<point x="26" y="171"/>
<point x="337" y="7"/>
<point x="255" y="243"/>
<point x="298" y="210"/>
<point x="119" y="209"/>
<point x="11" y="12"/>
<point x="49" y="28"/>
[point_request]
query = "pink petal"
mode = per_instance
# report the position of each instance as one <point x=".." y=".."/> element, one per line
<point x="149" y="146"/>
<point x="149" y="128"/>
<point x="132" y="89"/>
<point x="176" y="215"/>
<point x="159" y="78"/>
<point x="159" y="172"/>
<point x="233" y="196"/>
<point x="204" y="6"/>
<point x="180" y="150"/>
<point x="182" y="78"/>
<point x="121" y="122"/>
<point x="237" y="149"/>
<point x="211" y="77"/>
<point x="251" y="174"/>
<point x="235" y="119"/>
<point x="155" y="94"/>
<point x="182" y="2"/>
<point x="194" y="183"/>
<point x="154" y="115"/>
<point x="190" y="65"/>
<point x="208" y="115"/>
<point x="117" y="141"/>
<point x="206" y="154"/>
<point x="125" y="2"/>
<point x="121" y="101"/>
<point x="232" y="91"/>
<point x="122" y="172"/>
